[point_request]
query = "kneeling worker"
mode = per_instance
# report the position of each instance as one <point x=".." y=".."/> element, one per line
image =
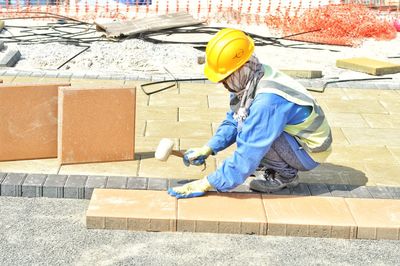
<point x="277" y="125"/>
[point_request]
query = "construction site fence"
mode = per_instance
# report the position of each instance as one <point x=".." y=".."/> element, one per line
<point x="231" y="11"/>
<point x="332" y="22"/>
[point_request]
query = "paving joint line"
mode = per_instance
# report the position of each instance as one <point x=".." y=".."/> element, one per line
<point x="82" y="186"/>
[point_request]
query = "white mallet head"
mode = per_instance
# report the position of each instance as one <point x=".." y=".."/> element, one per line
<point x="164" y="149"/>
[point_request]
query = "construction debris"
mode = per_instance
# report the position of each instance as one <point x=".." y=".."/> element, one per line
<point x="10" y="58"/>
<point x="150" y="24"/>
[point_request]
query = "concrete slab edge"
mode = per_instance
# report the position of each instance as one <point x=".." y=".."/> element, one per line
<point x="316" y="84"/>
<point x="82" y="186"/>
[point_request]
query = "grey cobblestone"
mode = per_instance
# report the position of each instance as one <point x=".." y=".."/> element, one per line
<point x="117" y="182"/>
<point x="379" y="192"/>
<point x="94" y="182"/>
<point x="394" y="191"/>
<point x="319" y="190"/>
<point x="91" y="76"/>
<point x="64" y="75"/>
<point x="54" y="186"/>
<point x="33" y="185"/>
<point x="301" y="190"/>
<point x="81" y="187"/>
<point x="339" y="190"/>
<point x="157" y="184"/>
<point x="77" y="75"/>
<point x="359" y="192"/>
<point x="12" y="185"/>
<point x="137" y="183"/>
<point x="38" y="74"/>
<point x="74" y="187"/>
<point x="51" y="75"/>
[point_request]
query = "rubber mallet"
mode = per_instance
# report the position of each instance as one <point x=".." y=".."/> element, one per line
<point x="164" y="150"/>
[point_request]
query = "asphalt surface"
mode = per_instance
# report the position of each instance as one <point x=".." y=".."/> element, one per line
<point x="42" y="231"/>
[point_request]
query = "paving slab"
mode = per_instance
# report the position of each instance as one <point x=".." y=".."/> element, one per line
<point x="30" y="111"/>
<point x="308" y="216"/>
<point x="202" y="114"/>
<point x="124" y="168"/>
<point x="180" y="100"/>
<point x="54" y="186"/>
<point x="42" y="166"/>
<point x="391" y="105"/>
<point x="94" y="182"/>
<point x="376" y="218"/>
<point x="157" y="113"/>
<point x="12" y="185"/>
<point x="346" y="120"/>
<point x="368" y="65"/>
<point x="172" y="129"/>
<point x="302" y="73"/>
<point x="362" y="106"/>
<point x="384" y="174"/>
<point x="96" y="125"/>
<point x="233" y="213"/>
<point x="382" y="120"/>
<point x="74" y="187"/>
<point x="372" y="136"/>
<point x="33" y="185"/>
<point x="136" y="210"/>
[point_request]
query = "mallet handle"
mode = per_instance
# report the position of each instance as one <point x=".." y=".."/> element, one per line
<point x="177" y="153"/>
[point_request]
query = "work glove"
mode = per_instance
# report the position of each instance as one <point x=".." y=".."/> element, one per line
<point x="196" y="156"/>
<point x="193" y="189"/>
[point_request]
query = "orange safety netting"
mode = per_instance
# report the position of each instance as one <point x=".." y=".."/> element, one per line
<point x="343" y="24"/>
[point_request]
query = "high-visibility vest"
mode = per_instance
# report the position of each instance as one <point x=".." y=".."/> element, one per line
<point x="314" y="133"/>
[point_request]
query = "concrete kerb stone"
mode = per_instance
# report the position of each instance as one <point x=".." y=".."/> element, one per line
<point x="54" y="186"/>
<point x="82" y="186"/>
<point x="74" y="187"/>
<point x="33" y="185"/>
<point x="12" y="185"/>
<point x="93" y="182"/>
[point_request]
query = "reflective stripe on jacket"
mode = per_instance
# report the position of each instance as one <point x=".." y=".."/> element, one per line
<point x="314" y="133"/>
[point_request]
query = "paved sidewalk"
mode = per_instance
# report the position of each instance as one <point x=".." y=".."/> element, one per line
<point x="365" y="123"/>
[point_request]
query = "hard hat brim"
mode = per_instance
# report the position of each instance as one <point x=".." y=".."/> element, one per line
<point x="212" y="75"/>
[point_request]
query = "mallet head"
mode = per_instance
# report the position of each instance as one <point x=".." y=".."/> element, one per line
<point x="164" y="149"/>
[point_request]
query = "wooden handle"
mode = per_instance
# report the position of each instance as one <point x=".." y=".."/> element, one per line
<point x="177" y="153"/>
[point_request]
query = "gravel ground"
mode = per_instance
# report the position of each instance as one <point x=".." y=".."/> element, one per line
<point x="44" y="231"/>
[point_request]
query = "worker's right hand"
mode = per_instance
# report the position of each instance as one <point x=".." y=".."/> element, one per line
<point x="196" y="156"/>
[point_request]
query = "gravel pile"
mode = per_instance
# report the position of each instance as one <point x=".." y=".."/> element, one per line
<point x="127" y="56"/>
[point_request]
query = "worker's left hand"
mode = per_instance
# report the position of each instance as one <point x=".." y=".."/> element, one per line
<point x="193" y="189"/>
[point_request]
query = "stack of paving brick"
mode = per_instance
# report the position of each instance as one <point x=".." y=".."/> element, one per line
<point x="242" y="213"/>
<point x="76" y="125"/>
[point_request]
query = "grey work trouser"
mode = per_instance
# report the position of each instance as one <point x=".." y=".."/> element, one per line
<point x="287" y="157"/>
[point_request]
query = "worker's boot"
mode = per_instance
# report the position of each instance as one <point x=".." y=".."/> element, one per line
<point x="271" y="181"/>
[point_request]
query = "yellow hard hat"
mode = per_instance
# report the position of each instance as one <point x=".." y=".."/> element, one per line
<point x="226" y="52"/>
